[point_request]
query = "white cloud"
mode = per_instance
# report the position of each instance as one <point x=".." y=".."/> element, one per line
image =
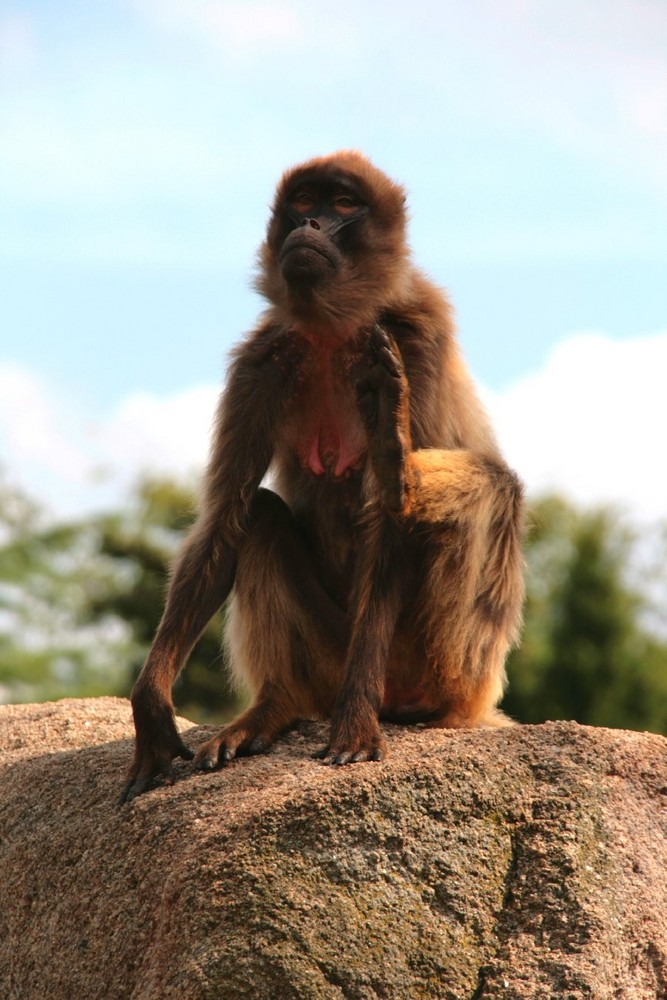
<point x="169" y="435"/>
<point x="593" y="77"/>
<point x="49" y="447"/>
<point x="34" y="422"/>
<point x="238" y="29"/>
<point x="590" y="424"/>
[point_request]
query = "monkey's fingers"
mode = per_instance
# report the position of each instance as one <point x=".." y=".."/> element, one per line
<point x="380" y="339"/>
<point x="382" y="388"/>
<point x="392" y="362"/>
<point x="374" y="341"/>
<point x="383" y="350"/>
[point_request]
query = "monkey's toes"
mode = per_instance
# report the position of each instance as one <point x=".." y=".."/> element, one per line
<point x="147" y="768"/>
<point x="134" y="788"/>
<point x="333" y="758"/>
<point x="211" y="758"/>
<point x="144" y="782"/>
<point x="225" y="747"/>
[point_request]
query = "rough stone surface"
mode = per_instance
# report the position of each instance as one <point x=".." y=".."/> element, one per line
<point x="529" y="862"/>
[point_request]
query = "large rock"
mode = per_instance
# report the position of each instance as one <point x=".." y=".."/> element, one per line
<point x="529" y="862"/>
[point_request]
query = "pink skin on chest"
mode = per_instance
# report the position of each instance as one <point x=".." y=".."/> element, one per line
<point x="326" y="431"/>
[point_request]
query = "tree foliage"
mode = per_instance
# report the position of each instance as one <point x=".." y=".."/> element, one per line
<point x="80" y="602"/>
<point x="48" y="577"/>
<point x="588" y="652"/>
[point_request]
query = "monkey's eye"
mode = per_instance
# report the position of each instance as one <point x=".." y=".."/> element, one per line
<point x="345" y="204"/>
<point x="303" y="199"/>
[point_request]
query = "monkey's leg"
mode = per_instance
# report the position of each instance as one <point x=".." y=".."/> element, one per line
<point x="201" y="581"/>
<point x="287" y="636"/>
<point x="469" y="510"/>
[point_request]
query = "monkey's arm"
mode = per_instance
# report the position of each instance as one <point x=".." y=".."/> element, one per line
<point x="383" y="396"/>
<point x="250" y="410"/>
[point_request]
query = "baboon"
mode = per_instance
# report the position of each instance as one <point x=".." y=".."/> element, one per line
<point x="381" y="575"/>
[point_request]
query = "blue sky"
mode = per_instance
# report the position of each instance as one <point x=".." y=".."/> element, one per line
<point x="140" y="142"/>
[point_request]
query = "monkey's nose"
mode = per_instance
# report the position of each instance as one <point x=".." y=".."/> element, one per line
<point x="313" y="223"/>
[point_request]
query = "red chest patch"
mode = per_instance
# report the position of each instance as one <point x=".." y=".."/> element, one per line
<point x="325" y="429"/>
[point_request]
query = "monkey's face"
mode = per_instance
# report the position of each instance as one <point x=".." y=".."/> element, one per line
<point x="335" y="249"/>
<point x="319" y="225"/>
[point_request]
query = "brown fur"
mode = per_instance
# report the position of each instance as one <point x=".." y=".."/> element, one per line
<point x="388" y="584"/>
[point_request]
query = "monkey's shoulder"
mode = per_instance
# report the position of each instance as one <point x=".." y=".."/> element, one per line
<point x="269" y="344"/>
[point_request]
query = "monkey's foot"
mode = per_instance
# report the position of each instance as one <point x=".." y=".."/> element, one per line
<point x="157" y="744"/>
<point x="229" y="743"/>
<point x="349" y="747"/>
<point x="253" y="732"/>
<point x="383" y="398"/>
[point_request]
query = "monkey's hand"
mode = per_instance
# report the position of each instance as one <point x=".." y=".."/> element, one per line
<point x="383" y="396"/>
<point x="157" y="744"/>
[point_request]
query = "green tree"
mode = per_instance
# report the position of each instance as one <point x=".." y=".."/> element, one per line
<point x="48" y="575"/>
<point x="588" y="652"/>
<point x="79" y="602"/>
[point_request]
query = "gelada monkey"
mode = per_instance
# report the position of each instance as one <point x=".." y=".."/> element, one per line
<point x="381" y="575"/>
